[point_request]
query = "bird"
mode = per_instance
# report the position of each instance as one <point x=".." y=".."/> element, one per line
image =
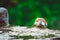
<point x="40" y="23"/>
<point x="4" y="17"/>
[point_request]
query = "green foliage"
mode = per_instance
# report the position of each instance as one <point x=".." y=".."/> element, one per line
<point x="26" y="11"/>
<point x="49" y="36"/>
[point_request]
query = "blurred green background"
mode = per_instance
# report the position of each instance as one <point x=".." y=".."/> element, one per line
<point x="24" y="12"/>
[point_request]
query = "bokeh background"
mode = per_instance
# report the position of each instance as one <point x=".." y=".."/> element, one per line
<point x="24" y="12"/>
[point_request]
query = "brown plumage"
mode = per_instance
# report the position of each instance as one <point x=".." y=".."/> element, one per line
<point x="2" y="24"/>
<point x="40" y="23"/>
<point x="3" y="17"/>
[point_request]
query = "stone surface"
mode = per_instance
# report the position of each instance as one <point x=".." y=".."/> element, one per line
<point x="25" y="32"/>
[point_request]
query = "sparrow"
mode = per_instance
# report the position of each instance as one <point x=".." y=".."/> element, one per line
<point x="4" y="18"/>
<point x="40" y="23"/>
